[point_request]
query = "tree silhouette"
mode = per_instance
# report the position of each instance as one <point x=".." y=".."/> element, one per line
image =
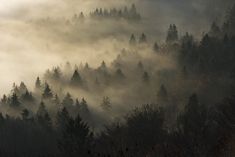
<point x="106" y="104"/>
<point x="47" y="94"/>
<point x="43" y="117"/>
<point x="76" y="79"/>
<point x="172" y="34"/>
<point x="132" y="40"/>
<point x="38" y="84"/>
<point x="143" y="39"/>
<point x="14" y="100"/>
<point x="75" y="138"/>
<point x="67" y="101"/>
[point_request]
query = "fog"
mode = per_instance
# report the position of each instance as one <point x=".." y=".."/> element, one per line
<point x="28" y="46"/>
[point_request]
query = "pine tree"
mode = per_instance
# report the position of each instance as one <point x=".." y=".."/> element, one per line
<point x="38" y="84"/>
<point x="22" y="88"/>
<point x="84" y="107"/>
<point x="76" y="79"/>
<point x="62" y="120"/>
<point x="87" y="67"/>
<point x="132" y="40"/>
<point x="43" y="117"/>
<point x="103" y="66"/>
<point x="119" y="74"/>
<point x="67" y="101"/>
<point x="106" y="104"/>
<point x="133" y="9"/>
<point x="27" y="96"/>
<point x="56" y="73"/>
<point x="75" y="137"/>
<point x="172" y="34"/>
<point x="143" y="39"/>
<point x="81" y="17"/>
<point x="14" y="101"/>
<point x="4" y="99"/>
<point x="195" y="126"/>
<point x="47" y="94"/>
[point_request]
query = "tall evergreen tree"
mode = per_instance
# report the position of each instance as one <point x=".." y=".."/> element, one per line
<point x="76" y="79"/>
<point x="75" y="139"/>
<point x="62" y="120"/>
<point x="43" y="116"/>
<point x="172" y="34"/>
<point x="67" y="101"/>
<point x="14" y="101"/>
<point x="56" y="73"/>
<point x="106" y="104"/>
<point x="143" y="39"/>
<point x="119" y="74"/>
<point x="38" y="84"/>
<point x="4" y="100"/>
<point x="83" y="107"/>
<point x="132" y="40"/>
<point x="47" y="93"/>
<point x="27" y="96"/>
<point x="22" y="88"/>
<point x="81" y="17"/>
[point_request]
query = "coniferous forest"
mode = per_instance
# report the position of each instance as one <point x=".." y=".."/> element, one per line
<point x="117" y="79"/>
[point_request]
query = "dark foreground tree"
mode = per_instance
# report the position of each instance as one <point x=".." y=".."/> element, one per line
<point x="75" y="139"/>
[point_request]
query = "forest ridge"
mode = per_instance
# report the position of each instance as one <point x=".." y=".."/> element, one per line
<point x="173" y="98"/>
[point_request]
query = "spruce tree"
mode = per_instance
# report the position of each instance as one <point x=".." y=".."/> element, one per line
<point x="132" y="41"/>
<point x="106" y="104"/>
<point x="62" y="120"/>
<point x="76" y="79"/>
<point x="143" y="39"/>
<point x="67" y="101"/>
<point x="27" y="96"/>
<point x="47" y="94"/>
<point x="38" y="84"/>
<point x="14" y="101"/>
<point x="4" y="99"/>
<point x="43" y="116"/>
<point x="22" y="88"/>
<point x="172" y="34"/>
<point x="119" y="74"/>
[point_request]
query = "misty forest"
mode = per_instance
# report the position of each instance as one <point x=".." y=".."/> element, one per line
<point x="108" y="78"/>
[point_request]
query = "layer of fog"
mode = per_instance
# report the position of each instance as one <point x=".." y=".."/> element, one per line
<point x="28" y="49"/>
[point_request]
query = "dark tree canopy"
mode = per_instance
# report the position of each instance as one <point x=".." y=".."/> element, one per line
<point x="172" y="34"/>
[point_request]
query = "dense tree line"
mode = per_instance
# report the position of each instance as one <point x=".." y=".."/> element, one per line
<point x="200" y="131"/>
<point x="50" y="121"/>
<point x="126" y="13"/>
